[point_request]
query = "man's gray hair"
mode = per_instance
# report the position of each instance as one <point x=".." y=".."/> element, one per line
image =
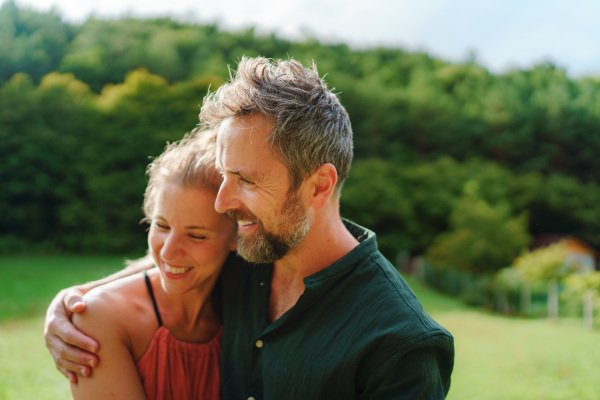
<point x="310" y="125"/>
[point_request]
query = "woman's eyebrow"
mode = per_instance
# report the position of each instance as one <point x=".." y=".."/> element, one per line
<point x="198" y="227"/>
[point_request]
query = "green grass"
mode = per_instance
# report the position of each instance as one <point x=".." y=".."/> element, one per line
<point x="496" y="357"/>
<point x="510" y="358"/>
<point x="27" y="285"/>
<point x="26" y="368"/>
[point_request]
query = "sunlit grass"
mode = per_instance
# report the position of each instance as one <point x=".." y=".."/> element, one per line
<point x="510" y="358"/>
<point x="26" y="369"/>
<point x="27" y="284"/>
<point x="497" y="358"/>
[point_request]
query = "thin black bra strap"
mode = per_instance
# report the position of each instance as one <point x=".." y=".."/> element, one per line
<point x="149" y="286"/>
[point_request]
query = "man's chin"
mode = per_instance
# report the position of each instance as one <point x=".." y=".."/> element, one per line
<point x="257" y="250"/>
<point x="254" y="257"/>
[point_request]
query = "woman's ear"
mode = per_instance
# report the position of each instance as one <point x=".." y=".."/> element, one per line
<point x="323" y="181"/>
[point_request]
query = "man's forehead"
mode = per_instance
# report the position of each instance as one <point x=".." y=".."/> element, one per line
<point x="244" y="138"/>
<point x="243" y="147"/>
<point x="224" y="127"/>
<point x="241" y="138"/>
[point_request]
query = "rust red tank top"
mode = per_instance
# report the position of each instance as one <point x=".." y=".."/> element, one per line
<point x="171" y="369"/>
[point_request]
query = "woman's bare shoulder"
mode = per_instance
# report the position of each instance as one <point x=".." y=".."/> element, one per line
<point x="116" y="308"/>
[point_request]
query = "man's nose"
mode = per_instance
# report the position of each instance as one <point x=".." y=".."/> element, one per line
<point x="227" y="198"/>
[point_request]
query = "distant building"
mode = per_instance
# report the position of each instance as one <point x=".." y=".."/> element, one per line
<point x="579" y="252"/>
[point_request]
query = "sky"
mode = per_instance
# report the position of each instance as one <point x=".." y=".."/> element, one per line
<point x="501" y="34"/>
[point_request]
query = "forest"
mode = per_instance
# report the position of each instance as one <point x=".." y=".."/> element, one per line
<point x="451" y="161"/>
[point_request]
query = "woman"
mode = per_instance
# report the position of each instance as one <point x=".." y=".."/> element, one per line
<point x="160" y="332"/>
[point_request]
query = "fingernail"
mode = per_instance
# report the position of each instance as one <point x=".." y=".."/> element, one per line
<point x="84" y="372"/>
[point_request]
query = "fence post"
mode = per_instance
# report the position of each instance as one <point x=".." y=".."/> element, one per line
<point x="553" y="300"/>
<point x="420" y="269"/>
<point x="501" y="301"/>
<point x="588" y="309"/>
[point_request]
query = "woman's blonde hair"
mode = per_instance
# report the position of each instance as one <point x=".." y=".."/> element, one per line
<point x="189" y="162"/>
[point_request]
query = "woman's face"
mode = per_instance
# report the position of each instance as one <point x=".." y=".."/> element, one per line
<point x="188" y="239"/>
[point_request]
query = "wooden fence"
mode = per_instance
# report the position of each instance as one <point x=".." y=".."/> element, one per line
<point x="537" y="301"/>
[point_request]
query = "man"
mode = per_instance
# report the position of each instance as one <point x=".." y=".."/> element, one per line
<point x="323" y="315"/>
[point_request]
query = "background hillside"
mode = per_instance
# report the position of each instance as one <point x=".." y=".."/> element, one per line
<point x="440" y="147"/>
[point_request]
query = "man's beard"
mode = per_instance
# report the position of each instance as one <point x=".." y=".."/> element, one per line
<point x="262" y="247"/>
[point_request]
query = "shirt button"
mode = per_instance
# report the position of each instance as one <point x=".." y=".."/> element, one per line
<point x="259" y="343"/>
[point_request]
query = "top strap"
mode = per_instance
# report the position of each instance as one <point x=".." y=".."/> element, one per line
<point x="151" y="292"/>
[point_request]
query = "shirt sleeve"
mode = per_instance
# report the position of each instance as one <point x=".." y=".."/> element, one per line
<point x="421" y="374"/>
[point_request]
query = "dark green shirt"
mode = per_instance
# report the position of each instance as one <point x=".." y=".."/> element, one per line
<point x="357" y="332"/>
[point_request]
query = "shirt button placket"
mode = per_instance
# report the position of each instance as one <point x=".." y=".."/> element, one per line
<point x="259" y="344"/>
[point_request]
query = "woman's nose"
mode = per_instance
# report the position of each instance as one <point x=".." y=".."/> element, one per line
<point x="171" y="247"/>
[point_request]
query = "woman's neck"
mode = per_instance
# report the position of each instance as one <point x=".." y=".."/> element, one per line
<point x="191" y="316"/>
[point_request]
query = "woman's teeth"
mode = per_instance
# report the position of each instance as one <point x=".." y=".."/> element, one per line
<point x="174" y="270"/>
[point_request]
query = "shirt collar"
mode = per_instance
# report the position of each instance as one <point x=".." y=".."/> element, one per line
<point x="367" y="245"/>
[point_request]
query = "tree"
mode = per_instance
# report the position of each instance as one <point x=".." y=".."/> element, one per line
<point x="482" y="238"/>
<point x="30" y="42"/>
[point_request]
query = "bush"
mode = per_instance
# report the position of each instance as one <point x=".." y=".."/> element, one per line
<point x="544" y="264"/>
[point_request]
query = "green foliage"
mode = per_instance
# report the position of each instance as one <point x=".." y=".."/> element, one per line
<point x="30" y="42"/>
<point x="39" y="138"/>
<point x="83" y="106"/>
<point x="74" y="162"/>
<point x="578" y="285"/>
<point x="510" y="279"/>
<point x="543" y="264"/>
<point x="482" y="237"/>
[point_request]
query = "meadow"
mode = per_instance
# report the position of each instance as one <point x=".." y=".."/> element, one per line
<point x="496" y="357"/>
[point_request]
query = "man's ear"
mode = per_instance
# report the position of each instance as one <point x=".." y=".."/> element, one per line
<point x="323" y="181"/>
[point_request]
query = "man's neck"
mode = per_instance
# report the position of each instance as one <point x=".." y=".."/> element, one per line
<point x="327" y="241"/>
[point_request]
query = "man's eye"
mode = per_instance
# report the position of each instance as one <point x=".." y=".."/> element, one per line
<point x="246" y="181"/>
<point x="198" y="237"/>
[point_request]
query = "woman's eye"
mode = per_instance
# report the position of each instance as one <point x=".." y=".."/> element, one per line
<point x="160" y="226"/>
<point x="198" y="237"/>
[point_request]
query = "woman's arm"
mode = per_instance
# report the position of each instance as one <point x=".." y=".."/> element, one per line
<point x="106" y="318"/>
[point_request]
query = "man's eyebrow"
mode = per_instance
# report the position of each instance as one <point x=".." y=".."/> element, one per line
<point x="242" y="173"/>
<point x="229" y="171"/>
<point x="224" y="170"/>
